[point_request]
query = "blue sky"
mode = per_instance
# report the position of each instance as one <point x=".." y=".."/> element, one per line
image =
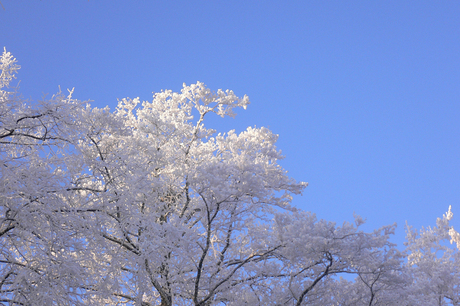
<point x="365" y="95"/>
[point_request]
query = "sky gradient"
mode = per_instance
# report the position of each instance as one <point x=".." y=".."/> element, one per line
<point x="364" y="94"/>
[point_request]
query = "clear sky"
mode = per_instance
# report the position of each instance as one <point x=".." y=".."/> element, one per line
<point x="365" y="95"/>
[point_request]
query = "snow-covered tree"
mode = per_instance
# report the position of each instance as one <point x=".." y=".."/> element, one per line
<point x="316" y="252"/>
<point x="43" y="258"/>
<point x="146" y="205"/>
<point x="434" y="263"/>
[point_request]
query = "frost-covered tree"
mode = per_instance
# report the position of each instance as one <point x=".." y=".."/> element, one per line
<point x="434" y="262"/>
<point x="316" y="252"/>
<point x="146" y="205"/>
<point x="43" y="258"/>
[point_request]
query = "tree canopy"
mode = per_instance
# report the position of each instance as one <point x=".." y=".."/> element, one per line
<point x="146" y="205"/>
